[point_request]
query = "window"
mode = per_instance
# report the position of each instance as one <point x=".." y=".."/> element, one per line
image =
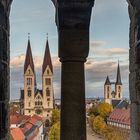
<point x="29" y="104"/>
<point x="48" y="81"/>
<point x="29" y="111"/>
<point x="29" y="93"/>
<point x="29" y="81"/>
<point x="48" y="99"/>
<point x="47" y="92"/>
<point x="29" y="71"/>
<point x="47" y="71"/>
<point x="119" y="95"/>
<point x="48" y="104"/>
<point x="107" y="95"/>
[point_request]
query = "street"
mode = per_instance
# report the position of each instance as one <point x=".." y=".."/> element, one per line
<point x="91" y="135"/>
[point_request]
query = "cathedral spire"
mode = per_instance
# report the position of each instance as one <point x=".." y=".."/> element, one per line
<point x="28" y="58"/>
<point x="107" y="82"/>
<point x="47" y="59"/>
<point x="118" y="80"/>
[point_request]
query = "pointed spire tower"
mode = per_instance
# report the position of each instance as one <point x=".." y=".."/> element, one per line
<point x="47" y="59"/>
<point x="118" y="85"/>
<point x="107" y="91"/>
<point x="118" y="79"/>
<point x="47" y="82"/>
<point x="29" y="58"/>
<point x="107" y="82"/>
<point x="29" y="81"/>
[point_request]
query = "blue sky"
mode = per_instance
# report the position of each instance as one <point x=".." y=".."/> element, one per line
<point x="109" y="32"/>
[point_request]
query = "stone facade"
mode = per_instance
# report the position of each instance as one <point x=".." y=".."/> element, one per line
<point x="40" y="102"/>
<point x="4" y="68"/>
<point x="73" y="20"/>
<point x="109" y="94"/>
<point x="134" y="59"/>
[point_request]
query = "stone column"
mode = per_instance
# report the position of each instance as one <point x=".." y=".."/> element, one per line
<point x="73" y="20"/>
<point x="4" y="69"/>
<point x="134" y="77"/>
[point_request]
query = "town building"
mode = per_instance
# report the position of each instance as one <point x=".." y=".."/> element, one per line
<point x="120" y="118"/>
<point x="34" y="100"/>
<point x="113" y="96"/>
<point x="26" y="127"/>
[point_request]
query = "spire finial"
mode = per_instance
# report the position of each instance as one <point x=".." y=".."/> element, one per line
<point x="28" y="36"/>
<point x="47" y="35"/>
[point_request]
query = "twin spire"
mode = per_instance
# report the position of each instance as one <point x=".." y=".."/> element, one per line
<point x="118" y="79"/>
<point x="29" y="59"/>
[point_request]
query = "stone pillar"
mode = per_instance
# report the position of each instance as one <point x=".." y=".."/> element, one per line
<point x="4" y="69"/>
<point x="134" y="59"/>
<point x="73" y="20"/>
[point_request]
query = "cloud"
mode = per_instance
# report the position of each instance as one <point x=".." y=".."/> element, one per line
<point x="96" y="72"/>
<point x="97" y="43"/>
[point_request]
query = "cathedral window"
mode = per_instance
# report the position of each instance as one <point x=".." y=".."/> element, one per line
<point x="107" y="95"/>
<point x="29" y="71"/>
<point x="47" y="92"/>
<point x="48" y="81"/>
<point x="29" y="81"/>
<point x="119" y="95"/>
<point x="35" y="103"/>
<point x="29" y="93"/>
<point x="47" y="71"/>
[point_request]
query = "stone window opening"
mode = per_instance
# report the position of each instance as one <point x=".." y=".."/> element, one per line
<point x="47" y="92"/>
<point x="47" y="81"/>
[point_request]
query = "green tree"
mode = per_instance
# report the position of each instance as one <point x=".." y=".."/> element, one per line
<point x="104" y="109"/>
<point x="55" y="116"/>
<point x="99" y="124"/>
<point x="94" y="110"/>
<point x="54" y="133"/>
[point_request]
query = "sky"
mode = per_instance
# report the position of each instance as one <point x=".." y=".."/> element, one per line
<point x="109" y="41"/>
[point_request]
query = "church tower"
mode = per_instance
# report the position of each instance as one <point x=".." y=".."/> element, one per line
<point x="47" y="83"/>
<point x="118" y="84"/>
<point x="107" y="91"/>
<point x="29" y="82"/>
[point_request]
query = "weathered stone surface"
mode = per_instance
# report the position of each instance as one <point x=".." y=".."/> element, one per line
<point x="73" y="20"/>
<point x="4" y="69"/>
<point x="134" y="78"/>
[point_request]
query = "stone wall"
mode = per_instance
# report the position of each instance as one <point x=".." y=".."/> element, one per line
<point x="134" y="59"/>
<point x="4" y="68"/>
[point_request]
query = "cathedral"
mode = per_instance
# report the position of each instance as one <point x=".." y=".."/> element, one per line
<point x="36" y="101"/>
<point x="111" y="96"/>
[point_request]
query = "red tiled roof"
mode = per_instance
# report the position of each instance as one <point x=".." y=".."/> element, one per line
<point x="17" y="134"/>
<point x="120" y="116"/>
<point x="17" y="119"/>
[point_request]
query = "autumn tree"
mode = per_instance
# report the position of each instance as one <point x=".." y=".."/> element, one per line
<point x="54" y="133"/>
<point x="55" y="116"/>
<point x="99" y="124"/>
<point x="93" y="111"/>
<point x="105" y="109"/>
